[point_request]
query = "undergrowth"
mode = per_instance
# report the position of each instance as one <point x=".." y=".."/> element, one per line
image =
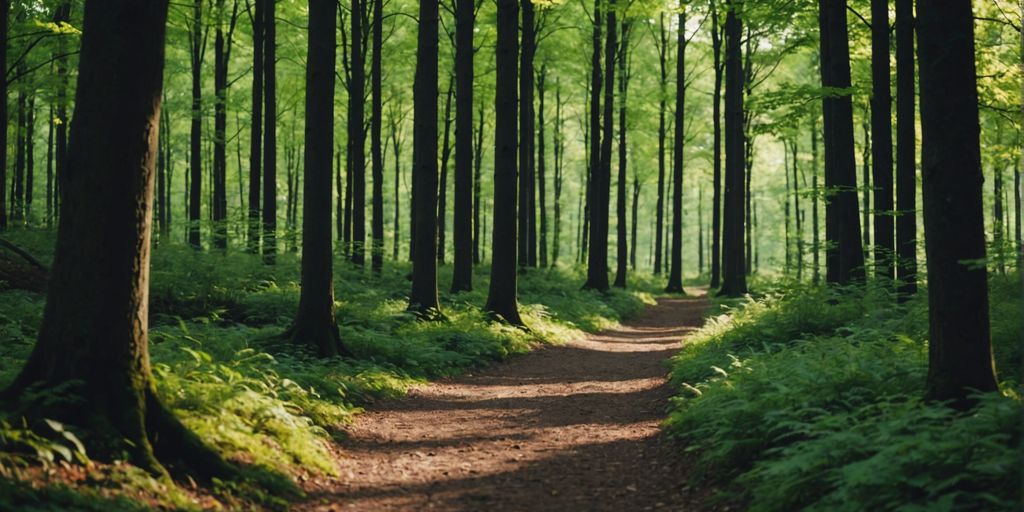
<point x="810" y="398"/>
<point x="270" y="408"/>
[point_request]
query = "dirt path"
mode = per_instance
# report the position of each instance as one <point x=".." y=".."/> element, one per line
<point x="565" y="428"/>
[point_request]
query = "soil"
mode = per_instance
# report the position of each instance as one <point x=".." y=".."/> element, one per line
<point x="572" y="427"/>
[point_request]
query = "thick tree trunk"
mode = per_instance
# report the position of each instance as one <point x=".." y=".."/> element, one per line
<point x="256" y="128"/>
<point x="622" y="244"/>
<point x="906" y="152"/>
<point x="462" y="221"/>
<point x="959" y="348"/>
<point x="734" y="279"/>
<point x="502" y="292"/>
<point x="881" y="144"/>
<point x="844" y="256"/>
<point x="94" y="329"/>
<point x="314" y="321"/>
<point x="376" y="143"/>
<point x="195" y="196"/>
<point x="675" y="276"/>
<point x="716" y="125"/>
<point x="597" y="259"/>
<point x="269" y="132"/>
<point x="423" y="299"/>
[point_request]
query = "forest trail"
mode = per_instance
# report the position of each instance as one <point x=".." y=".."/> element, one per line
<point x="573" y="427"/>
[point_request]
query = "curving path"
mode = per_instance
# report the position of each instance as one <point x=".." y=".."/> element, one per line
<point x="572" y="427"/>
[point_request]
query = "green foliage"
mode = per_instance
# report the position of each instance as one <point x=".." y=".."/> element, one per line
<point x="811" y="399"/>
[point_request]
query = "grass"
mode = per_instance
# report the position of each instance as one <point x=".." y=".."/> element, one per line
<point x="810" y="399"/>
<point x="275" y="410"/>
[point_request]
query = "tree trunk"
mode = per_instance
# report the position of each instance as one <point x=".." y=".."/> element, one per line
<point x="269" y="132"/>
<point x="195" y="197"/>
<point x="798" y="213"/>
<point x="663" y="93"/>
<point x="734" y="279"/>
<point x="423" y="299"/>
<point x="502" y="291"/>
<point x="94" y="329"/>
<point x="462" y="221"/>
<point x="49" y="176"/>
<point x="622" y="245"/>
<point x="815" y="196"/>
<point x="906" y="152"/>
<point x="477" y="170"/>
<point x="866" y="185"/>
<point x="356" y="135"/>
<point x="527" y="222"/>
<point x="559" y="150"/>
<point x="256" y="127"/>
<point x="446" y="153"/>
<point x="881" y="144"/>
<point x="716" y="123"/>
<point x="314" y="321"/>
<point x="541" y="168"/>
<point x="634" y="224"/>
<point x="30" y="159"/>
<point x="222" y="55"/>
<point x="786" y="212"/>
<point x="960" y="347"/>
<point x="597" y="258"/>
<point x="376" y="144"/>
<point x="844" y="256"/>
<point x="675" y="277"/>
<point x="396" y="147"/>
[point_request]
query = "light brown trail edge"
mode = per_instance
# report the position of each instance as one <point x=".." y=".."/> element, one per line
<point x="566" y="428"/>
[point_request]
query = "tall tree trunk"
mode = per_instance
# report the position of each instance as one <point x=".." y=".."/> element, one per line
<point x="356" y="135"/>
<point x="960" y="347"/>
<point x="844" y="256"/>
<point x="634" y="224"/>
<point x="314" y="324"/>
<point x="597" y="259"/>
<point x="423" y="299"/>
<point x="256" y="127"/>
<point x="559" y="150"/>
<point x="49" y="177"/>
<point x="734" y="279"/>
<point x="716" y="124"/>
<point x="18" y="181"/>
<point x="662" y="107"/>
<point x="786" y="211"/>
<point x="446" y="153"/>
<point x="622" y="245"/>
<point x="30" y="159"/>
<point x="462" y="221"/>
<point x="541" y="168"/>
<point x="195" y="196"/>
<point x="866" y="188"/>
<point x="396" y="146"/>
<point x="269" y="132"/>
<point x="222" y="55"/>
<point x="881" y="144"/>
<point x="815" y="196"/>
<point x="376" y="144"/>
<point x="502" y="291"/>
<point x="477" y="170"/>
<point x="675" y="276"/>
<point x="95" y="324"/>
<point x="798" y="213"/>
<point x="527" y="245"/>
<point x="906" y="152"/>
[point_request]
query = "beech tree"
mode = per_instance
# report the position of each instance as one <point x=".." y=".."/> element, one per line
<point x="675" y="263"/>
<point x="734" y="277"/>
<point x="462" y="275"/>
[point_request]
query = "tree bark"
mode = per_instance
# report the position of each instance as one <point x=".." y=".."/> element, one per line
<point x="477" y="170"/>
<point x="94" y="329"/>
<point x="844" y="256"/>
<point x="734" y="279"/>
<point x="716" y="124"/>
<point x="559" y="155"/>
<point x="256" y="127"/>
<point x="269" y="132"/>
<point x="527" y="222"/>
<point x="906" y="152"/>
<point x="597" y="257"/>
<point x="222" y="55"/>
<point x="396" y="147"/>
<point x="542" y="168"/>
<point x="622" y="244"/>
<point x="195" y="148"/>
<point x="423" y="299"/>
<point x="662" y="107"/>
<point x="959" y="349"/>
<point x="675" y="276"/>
<point x="462" y="222"/>
<point x="502" y="291"/>
<point x="446" y="153"/>
<point x="881" y="144"/>
<point x="376" y="143"/>
<point x="356" y="135"/>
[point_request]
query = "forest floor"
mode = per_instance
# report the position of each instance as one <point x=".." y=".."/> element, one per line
<point x="570" y="427"/>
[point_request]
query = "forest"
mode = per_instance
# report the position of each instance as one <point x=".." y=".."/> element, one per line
<point x="511" y="255"/>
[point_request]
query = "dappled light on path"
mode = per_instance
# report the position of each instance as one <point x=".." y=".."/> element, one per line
<point x="573" y="427"/>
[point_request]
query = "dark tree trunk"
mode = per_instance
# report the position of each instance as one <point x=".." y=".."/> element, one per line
<point x="622" y="245"/>
<point x="502" y="291"/>
<point x="881" y="144"/>
<point x="396" y="146"/>
<point x="376" y="144"/>
<point x="356" y="135"/>
<point x="597" y="258"/>
<point x="815" y="196"/>
<point x="63" y="15"/>
<point x="222" y="55"/>
<point x="256" y="127"/>
<point x="423" y="299"/>
<point x="195" y="196"/>
<point x="462" y="221"/>
<point x="446" y="153"/>
<point x="844" y="256"/>
<point x="866" y="186"/>
<point x="734" y="279"/>
<point x="542" y="169"/>
<point x="94" y="328"/>
<point x="314" y="321"/>
<point x="527" y="230"/>
<point x="559" y="150"/>
<point x="786" y="211"/>
<point x="593" y="121"/>
<point x="675" y="276"/>
<point x="269" y="133"/>
<point x="633" y="224"/>
<point x="5" y="8"/>
<point x="477" y="170"/>
<point x="49" y="177"/>
<point x="960" y="347"/>
<point x="30" y="159"/>
<point x="906" y="157"/>
<point x="662" y="107"/>
<point x="716" y="123"/>
<point x="797" y="212"/>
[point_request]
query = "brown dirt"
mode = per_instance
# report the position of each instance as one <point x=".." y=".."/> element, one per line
<point x="573" y="427"/>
